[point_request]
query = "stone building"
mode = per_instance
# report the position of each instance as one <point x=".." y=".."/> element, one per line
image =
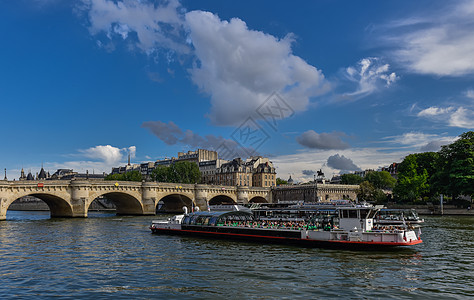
<point x="208" y="170"/>
<point x="235" y="172"/>
<point x="264" y="175"/>
<point x="255" y="171"/>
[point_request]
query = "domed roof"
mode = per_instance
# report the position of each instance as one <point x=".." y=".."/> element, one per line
<point x="290" y="180"/>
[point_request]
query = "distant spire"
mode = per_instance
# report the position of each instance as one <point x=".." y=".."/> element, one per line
<point x="5" y="175"/>
<point x="129" y="158"/>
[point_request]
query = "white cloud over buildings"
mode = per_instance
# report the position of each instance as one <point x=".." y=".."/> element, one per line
<point x="108" y="154"/>
<point x="342" y="163"/>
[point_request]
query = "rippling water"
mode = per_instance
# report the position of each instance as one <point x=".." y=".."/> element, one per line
<point x="107" y="256"/>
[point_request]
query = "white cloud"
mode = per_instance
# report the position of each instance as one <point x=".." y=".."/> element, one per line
<point x="455" y="117"/>
<point x="419" y="142"/>
<point x="96" y="160"/>
<point x="369" y="74"/>
<point x="462" y="118"/>
<point x="108" y="154"/>
<point x="442" y="43"/>
<point x="239" y="68"/>
<point x="412" y="139"/>
<point x="434" y="111"/>
<point x="153" y="26"/>
<point x="470" y="94"/>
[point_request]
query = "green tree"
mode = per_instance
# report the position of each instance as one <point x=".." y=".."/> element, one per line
<point x="179" y="172"/>
<point x="160" y="174"/>
<point x="351" y="179"/>
<point x="133" y="176"/>
<point x="381" y="180"/>
<point x="411" y="184"/>
<point x="128" y="176"/>
<point x="185" y="172"/>
<point x="427" y="161"/>
<point x="368" y="192"/>
<point x="455" y="175"/>
<point x="116" y="177"/>
<point x="280" y="181"/>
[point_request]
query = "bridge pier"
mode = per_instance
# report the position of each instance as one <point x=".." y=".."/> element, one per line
<point x="3" y="209"/>
<point x="243" y="194"/>
<point x="79" y="198"/>
<point x="149" y="198"/>
<point x="200" y="196"/>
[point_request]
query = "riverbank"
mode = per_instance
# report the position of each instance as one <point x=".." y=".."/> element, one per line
<point x="449" y="210"/>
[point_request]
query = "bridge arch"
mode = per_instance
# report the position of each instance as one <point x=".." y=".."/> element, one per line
<point x="221" y="199"/>
<point x="258" y="199"/>
<point x="174" y="203"/>
<point x="58" y="206"/>
<point x="125" y="203"/>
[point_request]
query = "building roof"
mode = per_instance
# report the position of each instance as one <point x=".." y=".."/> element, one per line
<point x="42" y="174"/>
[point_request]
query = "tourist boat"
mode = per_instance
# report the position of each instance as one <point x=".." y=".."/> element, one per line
<point x="338" y="227"/>
<point x="391" y="216"/>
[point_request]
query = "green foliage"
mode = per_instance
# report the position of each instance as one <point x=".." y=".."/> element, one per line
<point x="179" y="172"/>
<point x="368" y="192"/>
<point x="412" y="182"/>
<point x="160" y="174"/>
<point x="351" y="179"/>
<point x="280" y="181"/>
<point x="455" y="167"/>
<point x="129" y="176"/>
<point x="381" y="180"/>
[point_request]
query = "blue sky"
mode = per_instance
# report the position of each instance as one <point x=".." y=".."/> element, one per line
<point x="332" y="85"/>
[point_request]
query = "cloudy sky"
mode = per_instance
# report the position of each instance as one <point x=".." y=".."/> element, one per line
<point x="332" y="85"/>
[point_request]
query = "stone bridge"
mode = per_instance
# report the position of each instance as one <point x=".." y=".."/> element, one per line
<point x="72" y="198"/>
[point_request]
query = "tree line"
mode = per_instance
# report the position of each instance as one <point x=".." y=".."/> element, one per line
<point x="182" y="172"/>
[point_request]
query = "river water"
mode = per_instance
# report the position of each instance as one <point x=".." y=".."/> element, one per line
<point x="108" y="256"/>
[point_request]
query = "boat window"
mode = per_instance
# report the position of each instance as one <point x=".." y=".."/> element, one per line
<point x="363" y="213"/>
<point x="349" y="213"/>
<point x="353" y="213"/>
<point x="213" y="221"/>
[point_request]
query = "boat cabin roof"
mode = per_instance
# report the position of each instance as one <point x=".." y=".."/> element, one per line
<point x="219" y="213"/>
<point x="213" y="218"/>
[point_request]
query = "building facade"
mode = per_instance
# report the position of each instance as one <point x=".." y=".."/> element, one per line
<point x="255" y="171"/>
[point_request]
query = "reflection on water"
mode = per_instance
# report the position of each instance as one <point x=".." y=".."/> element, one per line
<point x="108" y="256"/>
